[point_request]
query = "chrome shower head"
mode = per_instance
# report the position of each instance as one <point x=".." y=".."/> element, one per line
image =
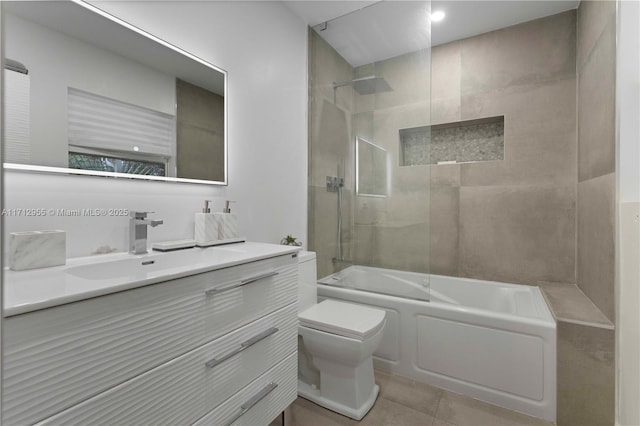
<point x="366" y="85"/>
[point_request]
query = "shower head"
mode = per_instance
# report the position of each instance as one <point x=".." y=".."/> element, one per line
<point x="366" y="85"/>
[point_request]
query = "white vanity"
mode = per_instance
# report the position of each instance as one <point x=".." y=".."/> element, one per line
<point x="204" y="336"/>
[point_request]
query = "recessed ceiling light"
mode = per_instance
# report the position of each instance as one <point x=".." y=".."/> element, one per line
<point x="437" y="16"/>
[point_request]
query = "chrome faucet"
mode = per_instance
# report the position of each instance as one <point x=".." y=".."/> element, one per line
<point x="138" y="231"/>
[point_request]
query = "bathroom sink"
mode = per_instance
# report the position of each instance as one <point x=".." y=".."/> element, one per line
<point x="91" y="276"/>
<point x="131" y="266"/>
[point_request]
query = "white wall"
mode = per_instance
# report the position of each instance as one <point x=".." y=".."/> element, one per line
<point x="628" y="241"/>
<point x="55" y="62"/>
<point x="262" y="46"/>
<point x="628" y="99"/>
<point x="628" y="84"/>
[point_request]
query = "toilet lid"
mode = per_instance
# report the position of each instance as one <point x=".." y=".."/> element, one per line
<point x="344" y="319"/>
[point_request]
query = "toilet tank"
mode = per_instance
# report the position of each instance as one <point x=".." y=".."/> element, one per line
<point x="307" y="280"/>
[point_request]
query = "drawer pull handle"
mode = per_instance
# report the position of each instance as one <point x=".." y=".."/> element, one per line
<point x="258" y="277"/>
<point x="253" y="401"/>
<point x="244" y="345"/>
<point x="241" y="283"/>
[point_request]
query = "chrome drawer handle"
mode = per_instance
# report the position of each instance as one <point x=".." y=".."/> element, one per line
<point x="258" y="277"/>
<point x="241" y="283"/>
<point x="253" y="401"/>
<point x="244" y="345"/>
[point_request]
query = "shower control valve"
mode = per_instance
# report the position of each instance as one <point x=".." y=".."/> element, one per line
<point x="333" y="183"/>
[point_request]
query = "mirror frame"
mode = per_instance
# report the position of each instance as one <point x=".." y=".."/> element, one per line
<point x="81" y="172"/>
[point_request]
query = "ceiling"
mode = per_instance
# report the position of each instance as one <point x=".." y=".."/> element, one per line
<point x="367" y="31"/>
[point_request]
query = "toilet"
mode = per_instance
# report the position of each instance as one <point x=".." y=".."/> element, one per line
<point x="336" y="341"/>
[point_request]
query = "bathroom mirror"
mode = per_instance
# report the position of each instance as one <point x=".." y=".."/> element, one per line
<point x="86" y="93"/>
<point x="371" y="169"/>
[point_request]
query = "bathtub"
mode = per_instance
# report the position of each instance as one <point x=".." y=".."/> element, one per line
<point x="491" y="341"/>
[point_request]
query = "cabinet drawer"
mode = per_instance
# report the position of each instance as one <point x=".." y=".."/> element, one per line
<point x="239" y="357"/>
<point x="244" y="293"/>
<point x="184" y="389"/>
<point x="260" y="401"/>
<point x="58" y="357"/>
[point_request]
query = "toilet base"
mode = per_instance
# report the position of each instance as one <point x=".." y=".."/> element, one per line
<point x="313" y="395"/>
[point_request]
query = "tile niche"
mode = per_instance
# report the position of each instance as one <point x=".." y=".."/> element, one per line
<point x="457" y="142"/>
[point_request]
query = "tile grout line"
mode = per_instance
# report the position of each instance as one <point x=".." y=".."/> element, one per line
<point x="441" y="392"/>
<point x="435" y="415"/>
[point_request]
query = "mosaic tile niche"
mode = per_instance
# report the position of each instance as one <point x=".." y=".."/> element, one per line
<point x="457" y="142"/>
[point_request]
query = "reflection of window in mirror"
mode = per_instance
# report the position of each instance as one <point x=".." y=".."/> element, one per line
<point x="200" y="132"/>
<point x="116" y="163"/>
<point x="108" y="135"/>
<point x="371" y="169"/>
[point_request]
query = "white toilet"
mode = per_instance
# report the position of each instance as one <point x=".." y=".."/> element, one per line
<point x="336" y="341"/>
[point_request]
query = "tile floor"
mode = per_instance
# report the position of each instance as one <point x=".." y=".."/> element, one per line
<point x="405" y="402"/>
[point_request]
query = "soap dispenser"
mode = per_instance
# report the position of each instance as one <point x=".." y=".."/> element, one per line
<point x="207" y="225"/>
<point x="229" y="223"/>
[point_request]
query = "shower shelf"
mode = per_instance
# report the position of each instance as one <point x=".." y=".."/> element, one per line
<point x="455" y="142"/>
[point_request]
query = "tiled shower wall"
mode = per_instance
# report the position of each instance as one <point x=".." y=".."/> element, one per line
<point x="329" y="148"/>
<point x="511" y="220"/>
<point x="393" y="232"/>
<point x="586" y="351"/>
<point x="596" y="56"/>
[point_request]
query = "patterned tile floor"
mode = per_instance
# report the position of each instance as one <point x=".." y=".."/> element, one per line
<point x="405" y="402"/>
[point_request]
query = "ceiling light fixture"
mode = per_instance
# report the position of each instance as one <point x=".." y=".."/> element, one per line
<point x="437" y="16"/>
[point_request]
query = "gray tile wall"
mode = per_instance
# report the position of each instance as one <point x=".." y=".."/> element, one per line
<point x="527" y="233"/>
<point x="527" y="73"/>
<point x="511" y="220"/>
<point x="330" y="145"/>
<point x="596" y="241"/>
<point x="586" y="375"/>
<point x="199" y="132"/>
<point x="596" y="152"/>
<point x="393" y="232"/>
<point x="517" y="234"/>
<point x="585" y="358"/>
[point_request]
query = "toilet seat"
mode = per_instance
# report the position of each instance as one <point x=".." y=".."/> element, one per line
<point x="343" y="319"/>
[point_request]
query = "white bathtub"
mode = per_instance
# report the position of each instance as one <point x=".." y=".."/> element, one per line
<point x="492" y="341"/>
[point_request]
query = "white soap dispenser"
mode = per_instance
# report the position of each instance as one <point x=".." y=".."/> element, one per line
<point x="207" y="225"/>
<point x="229" y="223"/>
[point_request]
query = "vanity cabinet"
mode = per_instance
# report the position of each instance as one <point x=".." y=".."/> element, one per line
<point x="191" y="349"/>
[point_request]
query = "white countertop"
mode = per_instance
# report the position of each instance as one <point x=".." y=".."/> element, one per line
<point x="26" y="291"/>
